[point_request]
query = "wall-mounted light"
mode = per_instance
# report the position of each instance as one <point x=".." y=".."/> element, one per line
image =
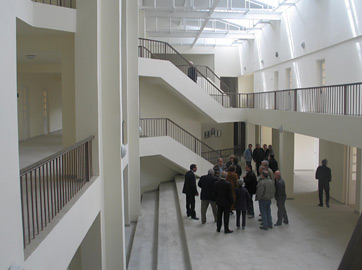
<point x="276" y="54"/>
<point x="262" y="62"/>
<point x="245" y="68"/>
<point x="302" y="45"/>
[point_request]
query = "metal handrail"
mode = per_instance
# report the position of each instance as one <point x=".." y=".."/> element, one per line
<point x="59" y="3"/>
<point x="48" y="185"/>
<point x="154" y="127"/>
<point x="149" y="48"/>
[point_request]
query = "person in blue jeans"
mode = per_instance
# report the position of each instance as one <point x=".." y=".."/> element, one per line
<point x="265" y="191"/>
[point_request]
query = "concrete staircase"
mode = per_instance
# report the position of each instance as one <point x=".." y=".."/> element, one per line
<point x="159" y="240"/>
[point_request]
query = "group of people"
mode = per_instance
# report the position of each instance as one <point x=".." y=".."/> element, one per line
<point x="226" y="190"/>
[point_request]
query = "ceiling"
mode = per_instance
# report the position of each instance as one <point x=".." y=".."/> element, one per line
<point x="209" y="22"/>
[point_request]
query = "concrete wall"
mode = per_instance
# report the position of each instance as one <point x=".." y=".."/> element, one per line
<point x="36" y="84"/>
<point x="246" y="84"/>
<point x="217" y="143"/>
<point x="340" y="45"/>
<point x="201" y="59"/>
<point x="306" y="152"/>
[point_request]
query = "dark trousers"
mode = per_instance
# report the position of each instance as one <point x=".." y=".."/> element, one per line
<point x="266" y="213"/>
<point x="190" y="205"/>
<point x="222" y="210"/>
<point x="323" y="186"/>
<point x="251" y="206"/>
<point x="243" y="213"/>
<point x="282" y="212"/>
<point x="257" y="163"/>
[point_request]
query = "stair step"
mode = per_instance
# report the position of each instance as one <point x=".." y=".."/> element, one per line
<point x="172" y="247"/>
<point x="144" y="248"/>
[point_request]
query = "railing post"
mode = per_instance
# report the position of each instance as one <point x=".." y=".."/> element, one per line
<point x="166" y="126"/>
<point x="295" y="100"/>
<point x="275" y="100"/>
<point x="87" y="161"/>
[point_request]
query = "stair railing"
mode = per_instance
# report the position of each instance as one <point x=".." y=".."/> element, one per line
<point x="155" y="127"/>
<point x="59" y="3"/>
<point x="49" y="184"/>
<point x="155" y="49"/>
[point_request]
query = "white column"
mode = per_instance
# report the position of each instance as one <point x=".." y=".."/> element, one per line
<point x="11" y="242"/>
<point x="275" y="143"/>
<point x="133" y="110"/>
<point x="335" y="153"/>
<point x="286" y="160"/>
<point x="358" y="206"/>
<point x="250" y="134"/>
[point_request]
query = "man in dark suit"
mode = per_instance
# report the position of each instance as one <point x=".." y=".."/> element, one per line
<point x="206" y="183"/>
<point x="324" y="176"/>
<point x="224" y="200"/>
<point x="250" y="185"/>
<point x="258" y="156"/>
<point x="190" y="191"/>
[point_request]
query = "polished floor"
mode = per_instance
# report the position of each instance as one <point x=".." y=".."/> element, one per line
<point x="316" y="237"/>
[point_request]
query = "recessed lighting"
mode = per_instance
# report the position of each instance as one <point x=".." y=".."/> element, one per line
<point x="30" y="56"/>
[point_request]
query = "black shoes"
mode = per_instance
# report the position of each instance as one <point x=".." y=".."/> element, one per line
<point x="320" y="205"/>
<point x="262" y="228"/>
<point x="228" y="231"/>
<point x="277" y="224"/>
<point x="218" y="230"/>
<point x="327" y="204"/>
<point x="195" y="218"/>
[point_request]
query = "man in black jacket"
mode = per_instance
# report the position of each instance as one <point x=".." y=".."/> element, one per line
<point x="250" y="185"/>
<point x="224" y="200"/>
<point x="191" y="191"/>
<point x="258" y="156"/>
<point x="324" y="176"/>
<point x="206" y="183"/>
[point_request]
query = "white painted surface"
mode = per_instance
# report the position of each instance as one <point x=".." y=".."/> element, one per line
<point x="166" y="73"/>
<point x="304" y="152"/>
<point x="227" y="136"/>
<point x="46" y="16"/>
<point x="11" y="242"/>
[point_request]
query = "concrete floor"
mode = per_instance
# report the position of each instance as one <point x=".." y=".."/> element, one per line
<point x="316" y="237"/>
<point x="37" y="148"/>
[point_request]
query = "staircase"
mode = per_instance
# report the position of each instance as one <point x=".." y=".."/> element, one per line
<point x="160" y="241"/>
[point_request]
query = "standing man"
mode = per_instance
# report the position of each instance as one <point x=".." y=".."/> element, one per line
<point x="258" y="156"/>
<point x="324" y="176"/>
<point x="206" y="183"/>
<point x="265" y="191"/>
<point x="280" y="197"/>
<point x="224" y="200"/>
<point x="248" y="154"/>
<point x="250" y="185"/>
<point x="219" y="167"/>
<point x="191" y="191"/>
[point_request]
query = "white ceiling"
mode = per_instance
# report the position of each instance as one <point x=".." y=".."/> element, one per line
<point x="209" y="22"/>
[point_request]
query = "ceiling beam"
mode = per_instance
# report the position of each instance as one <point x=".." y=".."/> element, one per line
<point x="211" y="11"/>
<point x="204" y="34"/>
<point x="251" y="15"/>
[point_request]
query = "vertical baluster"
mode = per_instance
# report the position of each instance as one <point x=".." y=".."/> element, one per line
<point x="41" y="200"/>
<point x="27" y="205"/>
<point x="22" y="209"/>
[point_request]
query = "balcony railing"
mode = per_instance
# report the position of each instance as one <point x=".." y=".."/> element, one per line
<point x="154" y="49"/>
<point x="59" y="3"/>
<point x="155" y="127"/>
<point x="48" y="185"/>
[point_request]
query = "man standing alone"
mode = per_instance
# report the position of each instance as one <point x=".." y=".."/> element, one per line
<point x="324" y="176"/>
<point x="206" y="183"/>
<point x="224" y="200"/>
<point x="280" y="197"/>
<point x="191" y="191"/>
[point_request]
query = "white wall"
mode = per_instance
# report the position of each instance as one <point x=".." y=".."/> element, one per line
<point x="340" y="45"/>
<point x="266" y="136"/>
<point x="246" y="84"/>
<point x="35" y="85"/>
<point x="227" y="59"/>
<point x="201" y="59"/>
<point x="217" y="143"/>
<point x="168" y="106"/>
<point x="305" y="152"/>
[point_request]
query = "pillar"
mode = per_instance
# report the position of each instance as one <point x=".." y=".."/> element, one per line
<point x="257" y="135"/>
<point x="133" y="110"/>
<point x="358" y="206"/>
<point x="336" y="155"/>
<point x="286" y="160"/>
<point x="11" y="242"/>
<point x="249" y="134"/>
<point x="275" y="143"/>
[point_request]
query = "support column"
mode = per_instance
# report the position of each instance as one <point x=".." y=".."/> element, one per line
<point x="133" y="110"/>
<point x="358" y="206"/>
<point x="11" y="242"/>
<point x="257" y="135"/>
<point x="336" y="155"/>
<point x="275" y="143"/>
<point x="286" y="160"/>
<point x="249" y="134"/>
